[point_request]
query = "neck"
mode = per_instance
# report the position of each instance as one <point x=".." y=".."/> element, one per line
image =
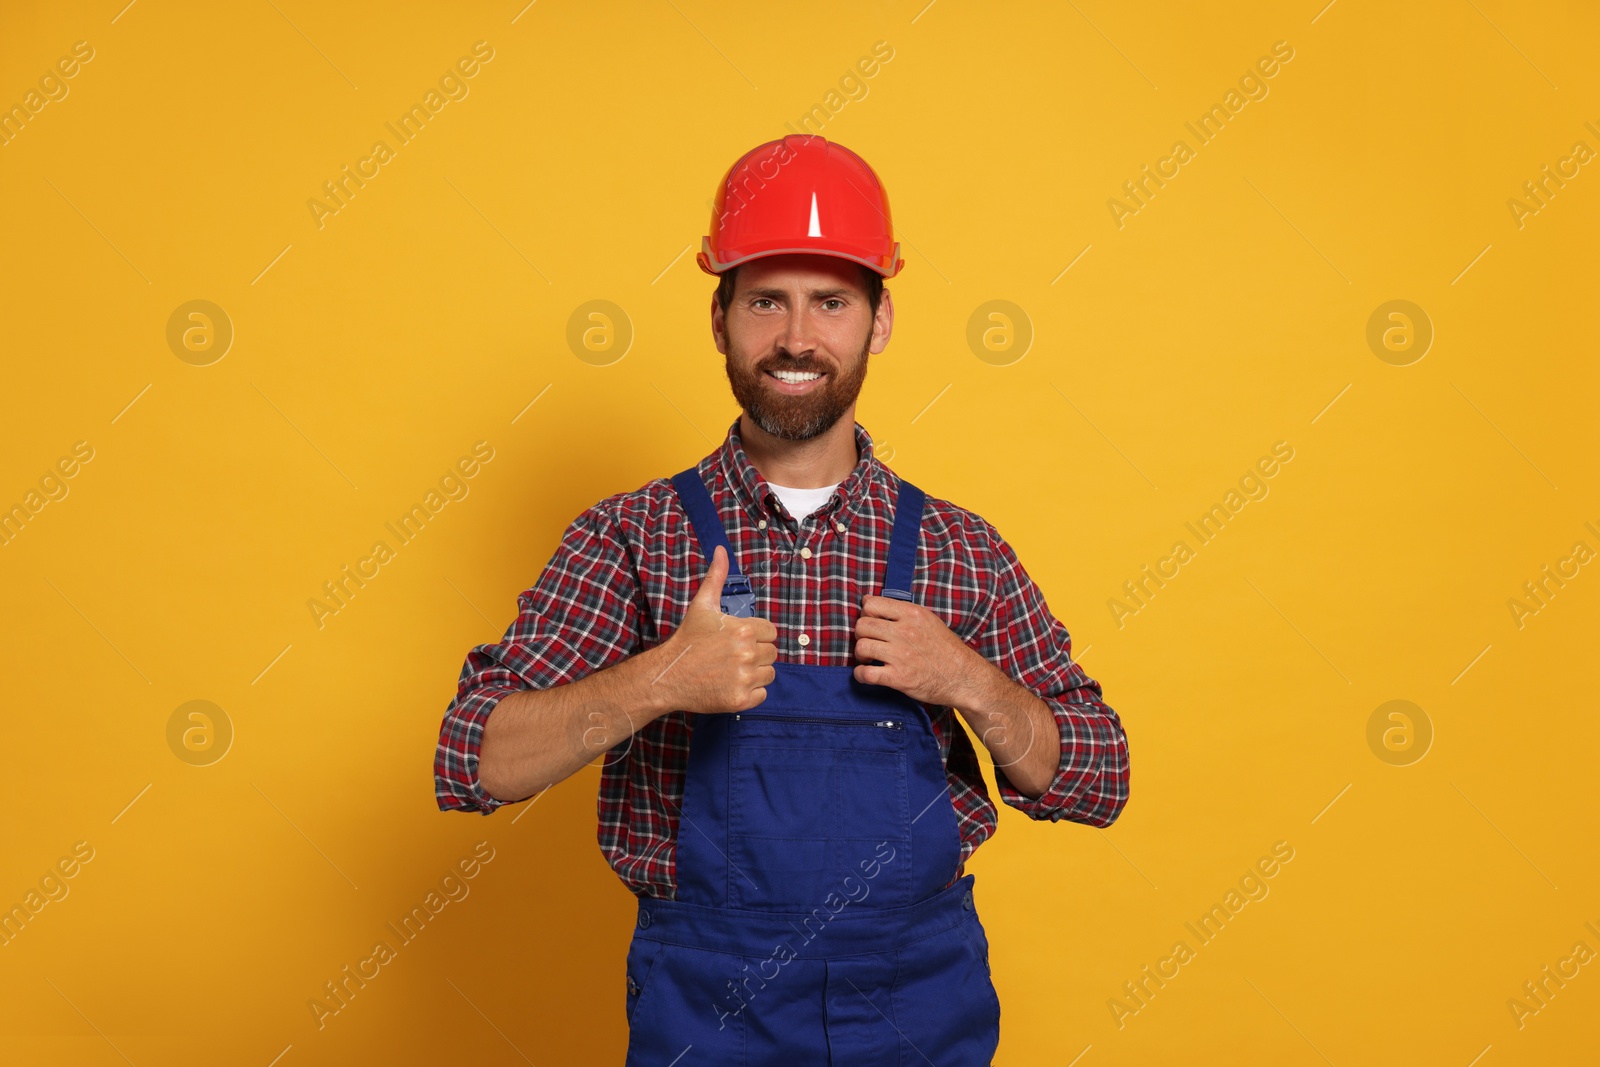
<point x="826" y="459"/>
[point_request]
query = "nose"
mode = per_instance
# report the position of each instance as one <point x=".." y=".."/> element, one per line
<point x="797" y="338"/>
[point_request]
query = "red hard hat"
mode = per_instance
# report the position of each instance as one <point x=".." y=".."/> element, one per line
<point x="801" y="194"/>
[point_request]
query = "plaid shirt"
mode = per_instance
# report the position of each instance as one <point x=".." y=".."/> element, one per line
<point x="621" y="581"/>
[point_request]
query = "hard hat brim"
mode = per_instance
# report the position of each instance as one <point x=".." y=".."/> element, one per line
<point x="708" y="262"/>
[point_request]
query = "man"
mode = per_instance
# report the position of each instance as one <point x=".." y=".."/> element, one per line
<point x="770" y="650"/>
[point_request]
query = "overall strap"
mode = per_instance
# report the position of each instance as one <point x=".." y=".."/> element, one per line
<point x="903" y="542"/>
<point x="737" y="597"/>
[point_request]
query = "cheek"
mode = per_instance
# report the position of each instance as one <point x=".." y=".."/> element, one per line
<point x="740" y="361"/>
<point x="846" y="340"/>
<point x="750" y="340"/>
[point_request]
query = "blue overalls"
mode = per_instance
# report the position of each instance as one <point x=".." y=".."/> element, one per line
<point x="812" y="923"/>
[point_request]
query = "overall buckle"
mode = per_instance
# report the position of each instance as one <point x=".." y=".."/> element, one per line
<point x="738" y="599"/>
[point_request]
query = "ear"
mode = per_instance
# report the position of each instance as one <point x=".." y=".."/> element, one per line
<point x="882" y="323"/>
<point x="719" y="325"/>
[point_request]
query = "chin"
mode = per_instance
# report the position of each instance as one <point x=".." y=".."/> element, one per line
<point x="792" y="426"/>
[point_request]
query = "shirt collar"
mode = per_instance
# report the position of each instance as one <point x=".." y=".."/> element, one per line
<point x="760" y="502"/>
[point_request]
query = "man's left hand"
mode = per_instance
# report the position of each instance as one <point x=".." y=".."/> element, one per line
<point x="920" y="656"/>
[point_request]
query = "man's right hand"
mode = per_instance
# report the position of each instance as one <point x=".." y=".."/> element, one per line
<point x="717" y="663"/>
<point x="714" y="663"/>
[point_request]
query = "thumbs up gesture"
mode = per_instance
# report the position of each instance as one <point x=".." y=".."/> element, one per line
<point x="717" y="663"/>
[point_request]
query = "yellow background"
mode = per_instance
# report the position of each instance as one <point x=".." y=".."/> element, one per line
<point x="1228" y="314"/>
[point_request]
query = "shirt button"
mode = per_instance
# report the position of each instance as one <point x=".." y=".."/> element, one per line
<point x="839" y="526"/>
<point x="761" y="525"/>
<point x="805" y="553"/>
<point x="804" y="639"/>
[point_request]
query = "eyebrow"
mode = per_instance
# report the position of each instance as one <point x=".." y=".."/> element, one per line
<point x="815" y="294"/>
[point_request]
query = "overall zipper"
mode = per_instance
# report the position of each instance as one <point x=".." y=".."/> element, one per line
<point x="889" y="724"/>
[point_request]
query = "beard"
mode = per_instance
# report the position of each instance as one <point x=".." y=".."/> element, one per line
<point x="796" y="418"/>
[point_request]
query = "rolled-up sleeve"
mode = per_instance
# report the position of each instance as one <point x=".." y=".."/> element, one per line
<point x="581" y="615"/>
<point x="1025" y="640"/>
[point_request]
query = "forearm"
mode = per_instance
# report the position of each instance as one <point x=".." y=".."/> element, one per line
<point x="1015" y="725"/>
<point x="535" y="738"/>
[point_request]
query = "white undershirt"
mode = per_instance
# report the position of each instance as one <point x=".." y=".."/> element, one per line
<point x="802" y="502"/>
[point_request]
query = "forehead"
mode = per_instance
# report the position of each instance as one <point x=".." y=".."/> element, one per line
<point x="801" y="273"/>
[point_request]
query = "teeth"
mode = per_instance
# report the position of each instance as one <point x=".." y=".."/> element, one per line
<point x="794" y="377"/>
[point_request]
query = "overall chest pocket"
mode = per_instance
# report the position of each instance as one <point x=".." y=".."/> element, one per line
<point x="818" y="813"/>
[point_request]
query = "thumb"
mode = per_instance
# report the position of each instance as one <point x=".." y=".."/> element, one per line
<point x="709" y="595"/>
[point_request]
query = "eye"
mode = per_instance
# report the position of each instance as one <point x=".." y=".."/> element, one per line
<point x="758" y="301"/>
<point x="833" y="300"/>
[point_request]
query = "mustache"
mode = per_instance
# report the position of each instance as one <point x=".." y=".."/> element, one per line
<point x="803" y="366"/>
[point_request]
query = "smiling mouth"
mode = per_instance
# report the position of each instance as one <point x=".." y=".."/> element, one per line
<point x="796" y="383"/>
<point x="790" y="377"/>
